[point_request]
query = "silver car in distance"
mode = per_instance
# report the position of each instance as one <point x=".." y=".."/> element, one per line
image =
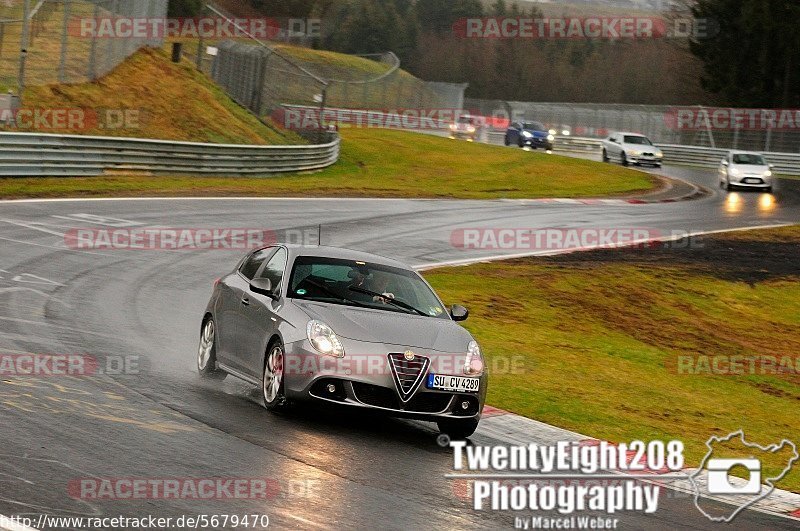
<point x="745" y="169"/>
<point x="343" y="327"/>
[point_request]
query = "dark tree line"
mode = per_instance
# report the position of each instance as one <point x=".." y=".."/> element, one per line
<point x="753" y="60"/>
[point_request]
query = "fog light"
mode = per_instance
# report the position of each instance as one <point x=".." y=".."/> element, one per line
<point x="464" y="405"/>
<point x="331" y="388"/>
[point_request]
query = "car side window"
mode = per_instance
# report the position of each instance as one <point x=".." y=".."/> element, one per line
<point x="254" y="262"/>
<point x="275" y="268"/>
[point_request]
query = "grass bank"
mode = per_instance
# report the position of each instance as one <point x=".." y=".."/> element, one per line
<point x="380" y="163"/>
<point x="622" y="345"/>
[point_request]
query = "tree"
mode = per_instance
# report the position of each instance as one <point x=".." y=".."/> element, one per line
<point x="439" y="16"/>
<point x="751" y="58"/>
<point x="184" y="8"/>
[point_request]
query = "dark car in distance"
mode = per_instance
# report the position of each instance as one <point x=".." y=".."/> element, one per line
<point x="532" y="134"/>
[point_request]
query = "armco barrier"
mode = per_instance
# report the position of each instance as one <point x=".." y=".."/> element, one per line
<point x="35" y="155"/>
<point x="785" y="163"/>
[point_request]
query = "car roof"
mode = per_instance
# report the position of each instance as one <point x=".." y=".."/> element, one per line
<point x="627" y="133"/>
<point x="341" y="253"/>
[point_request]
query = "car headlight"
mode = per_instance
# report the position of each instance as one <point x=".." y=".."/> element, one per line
<point x="659" y="154"/>
<point x="453" y="127"/>
<point x="635" y="152"/>
<point x="527" y="134"/>
<point x="550" y="138"/>
<point x="768" y="173"/>
<point x="471" y="129"/>
<point x="565" y="132"/>
<point x="734" y="171"/>
<point x="473" y="365"/>
<point x="552" y="131"/>
<point x="324" y="340"/>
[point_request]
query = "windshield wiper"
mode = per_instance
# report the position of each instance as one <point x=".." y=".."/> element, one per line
<point x="389" y="300"/>
<point x="333" y="294"/>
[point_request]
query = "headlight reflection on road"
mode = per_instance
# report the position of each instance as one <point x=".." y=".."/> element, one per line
<point x="766" y="203"/>
<point x="733" y="203"/>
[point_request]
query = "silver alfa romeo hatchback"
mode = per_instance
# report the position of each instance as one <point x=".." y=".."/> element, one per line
<point x="343" y="327"/>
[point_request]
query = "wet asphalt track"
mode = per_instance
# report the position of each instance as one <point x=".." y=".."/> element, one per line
<point x="332" y="469"/>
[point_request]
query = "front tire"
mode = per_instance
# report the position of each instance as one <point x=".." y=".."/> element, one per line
<point x="728" y="185"/>
<point x="207" y="352"/>
<point x="272" y="385"/>
<point x="605" y="156"/>
<point x="624" y="159"/>
<point x="458" y="428"/>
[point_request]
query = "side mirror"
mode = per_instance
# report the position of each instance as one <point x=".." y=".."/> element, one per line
<point x="263" y="286"/>
<point x="459" y="313"/>
<point x="724" y="162"/>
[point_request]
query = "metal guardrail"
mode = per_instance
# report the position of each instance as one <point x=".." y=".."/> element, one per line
<point x="39" y="155"/>
<point x="785" y="163"/>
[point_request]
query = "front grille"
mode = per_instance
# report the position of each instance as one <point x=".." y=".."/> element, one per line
<point x="648" y="155"/>
<point x="408" y="374"/>
<point x="375" y="395"/>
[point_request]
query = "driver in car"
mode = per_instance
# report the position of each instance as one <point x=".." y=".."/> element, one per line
<point x="372" y="281"/>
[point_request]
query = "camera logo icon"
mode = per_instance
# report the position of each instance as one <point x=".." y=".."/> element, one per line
<point x="719" y="476"/>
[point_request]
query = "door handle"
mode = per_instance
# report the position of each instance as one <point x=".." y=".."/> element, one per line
<point x="245" y="301"/>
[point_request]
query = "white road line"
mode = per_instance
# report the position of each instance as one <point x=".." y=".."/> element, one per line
<point x="53" y="247"/>
<point x="33" y="226"/>
<point x="318" y="199"/>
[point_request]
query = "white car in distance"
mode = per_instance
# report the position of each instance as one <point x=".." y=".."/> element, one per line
<point x="631" y="148"/>
<point x="745" y="169"/>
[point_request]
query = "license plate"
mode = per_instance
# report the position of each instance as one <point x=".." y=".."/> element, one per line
<point x="752" y="181"/>
<point x="453" y="383"/>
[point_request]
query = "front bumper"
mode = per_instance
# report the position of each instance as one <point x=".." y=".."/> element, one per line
<point x="464" y="135"/>
<point x="542" y="143"/>
<point x="752" y="181"/>
<point x="365" y="381"/>
<point x="645" y="159"/>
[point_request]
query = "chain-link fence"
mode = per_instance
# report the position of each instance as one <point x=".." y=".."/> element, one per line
<point x="747" y="129"/>
<point x="70" y="41"/>
<point x="268" y="77"/>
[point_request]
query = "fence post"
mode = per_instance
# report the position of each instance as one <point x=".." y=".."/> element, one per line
<point x="769" y="138"/>
<point x="64" y="28"/>
<point x="709" y="129"/>
<point x="26" y="7"/>
<point x="93" y="48"/>
<point x="200" y="42"/>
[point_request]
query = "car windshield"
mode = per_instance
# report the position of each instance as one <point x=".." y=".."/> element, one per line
<point x="749" y="159"/>
<point x="533" y="126"/>
<point x="638" y="140"/>
<point x="362" y="284"/>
